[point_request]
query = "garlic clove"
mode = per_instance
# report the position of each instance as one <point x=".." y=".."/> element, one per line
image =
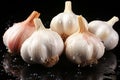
<point x="83" y="47"/>
<point x="112" y="41"/>
<point x="65" y="23"/>
<point x="104" y="30"/>
<point x="19" y="32"/>
<point x="44" y="46"/>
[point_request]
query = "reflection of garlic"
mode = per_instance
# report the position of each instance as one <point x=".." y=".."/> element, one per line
<point x="104" y="30"/>
<point x="15" y="35"/>
<point x="83" y="47"/>
<point x="44" y="46"/>
<point x="65" y="23"/>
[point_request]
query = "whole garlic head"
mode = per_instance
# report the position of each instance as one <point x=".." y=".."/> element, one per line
<point x="65" y="23"/>
<point x="44" y="46"/>
<point x="104" y="30"/>
<point x="83" y="47"/>
<point x="19" y="32"/>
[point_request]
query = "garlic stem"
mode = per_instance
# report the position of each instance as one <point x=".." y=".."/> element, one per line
<point x="81" y="24"/>
<point x="68" y="6"/>
<point x="38" y="24"/>
<point x="113" y="20"/>
<point x="33" y="15"/>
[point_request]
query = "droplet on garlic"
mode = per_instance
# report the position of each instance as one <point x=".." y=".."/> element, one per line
<point x="83" y="47"/>
<point x="73" y="57"/>
<point x="65" y="23"/>
<point x="44" y="46"/>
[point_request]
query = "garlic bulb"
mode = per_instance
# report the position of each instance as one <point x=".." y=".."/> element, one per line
<point x="65" y="23"/>
<point x="16" y="34"/>
<point x="83" y="47"/>
<point x="104" y="30"/>
<point x="44" y="46"/>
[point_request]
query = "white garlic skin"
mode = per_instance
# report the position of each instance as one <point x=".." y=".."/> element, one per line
<point x="65" y="23"/>
<point x="81" y="50"/>
<point x="84" y="48"/>
<point x="104" y="30"/>
<point x="112" y="41"/>
<point x="43" y="47"/>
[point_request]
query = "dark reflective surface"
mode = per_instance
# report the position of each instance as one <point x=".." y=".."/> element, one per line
<point x="13" y="67"/>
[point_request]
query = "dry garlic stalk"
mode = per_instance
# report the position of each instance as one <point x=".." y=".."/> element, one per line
<point x="104" y="30"/>
<point x="44" y="46"/>
<point x="19" y="32"/>
<point x="65" y="23"/>
<point x="83" y="47"/>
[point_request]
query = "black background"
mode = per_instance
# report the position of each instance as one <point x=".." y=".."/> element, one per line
<point x="12" y="11"/>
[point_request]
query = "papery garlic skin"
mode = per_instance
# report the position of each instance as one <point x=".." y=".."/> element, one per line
<point x="112" y="41"/>
<point x="104" y="30"/>
<point x="19" y="32"/>
<point x="44" y="46"/>
<point x="83" y="47"/>
<point x="65" y="23"/>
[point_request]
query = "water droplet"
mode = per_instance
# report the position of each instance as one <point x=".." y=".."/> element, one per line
<point x="52" y="75"/>
<point x="42" y="59"/>
<point x="6" y="28"/>
<point x="3" y="56"/>
<point x="78" y="65"/>
<point x="119" y="66"/>
<point x="78" y="72"/>
<point x="73" y="57"/>
<point x="48" y="72"/>
<point x="9" y="74"/>
<point x="6" y="47"/>
<point x="39" y="77"/>
<point x="91" y="65"/>
<point x="35" y="74"/>
<point x="2" y="70"/>
<point x="14" y="60"/>
<point x="1" y="50"/>
<point x="31" y="59"/>
<point x="28" y="65"/>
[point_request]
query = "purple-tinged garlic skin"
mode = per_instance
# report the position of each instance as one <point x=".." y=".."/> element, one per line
<point x="19" y="32"/>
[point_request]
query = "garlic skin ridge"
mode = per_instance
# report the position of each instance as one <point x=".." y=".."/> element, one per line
<point x="19" y="32"/>
<point x="65" y="23"/>
<point x="105" y="31"/>
<point x="44" y="46"/>
<point x="83" y="47"/>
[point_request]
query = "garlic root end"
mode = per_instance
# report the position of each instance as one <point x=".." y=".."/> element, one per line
<point x="51" y="61"/>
